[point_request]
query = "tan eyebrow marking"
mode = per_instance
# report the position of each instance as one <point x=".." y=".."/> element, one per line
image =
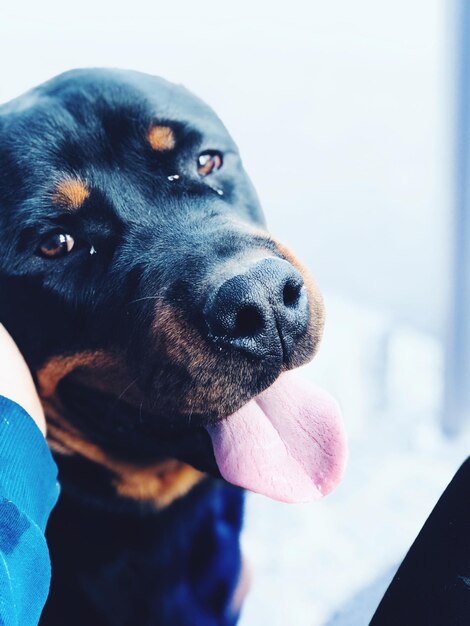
<point x="70" y="193"/>
<point x="161" y="138"/>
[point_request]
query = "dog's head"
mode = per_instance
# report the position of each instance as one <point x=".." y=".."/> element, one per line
<point x="138" y="278"/>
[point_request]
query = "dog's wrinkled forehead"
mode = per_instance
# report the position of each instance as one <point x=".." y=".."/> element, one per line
<point x="123" y="133"/>
<point x="82" y="100"/>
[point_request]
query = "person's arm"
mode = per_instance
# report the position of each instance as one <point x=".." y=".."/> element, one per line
<point x="28" y="492"/>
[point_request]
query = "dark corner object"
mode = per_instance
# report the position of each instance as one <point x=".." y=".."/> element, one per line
<point x="432" y="585"/>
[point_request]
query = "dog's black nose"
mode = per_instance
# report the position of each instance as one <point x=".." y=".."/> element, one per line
<point x="263" y="311"/>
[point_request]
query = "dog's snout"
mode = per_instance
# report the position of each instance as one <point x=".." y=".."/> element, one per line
<point x="263" y="311"/>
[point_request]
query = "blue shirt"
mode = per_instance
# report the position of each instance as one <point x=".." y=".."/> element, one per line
<point x="28" y="492"/>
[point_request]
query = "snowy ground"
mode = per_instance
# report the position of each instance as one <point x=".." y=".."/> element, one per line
<point x="310" y="560"/>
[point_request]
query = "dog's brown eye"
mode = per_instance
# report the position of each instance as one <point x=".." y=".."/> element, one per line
<point x="209" y="162"/>
<point x="57" y="245"/>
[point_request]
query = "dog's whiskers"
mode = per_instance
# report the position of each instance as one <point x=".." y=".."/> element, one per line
<point x="141" y="299"/>
<point x="113" y="406"/>
<point x="190" y="414"/>
<point x="127" y="389"/>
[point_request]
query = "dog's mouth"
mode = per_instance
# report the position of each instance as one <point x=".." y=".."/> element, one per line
<point x="287" y="443"/>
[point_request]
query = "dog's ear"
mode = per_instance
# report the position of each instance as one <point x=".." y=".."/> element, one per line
<point x="15" y="160"/>
<point x="11" y="183"/>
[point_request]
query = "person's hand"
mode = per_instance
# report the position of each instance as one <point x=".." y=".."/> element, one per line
<point x="16" y="382"/>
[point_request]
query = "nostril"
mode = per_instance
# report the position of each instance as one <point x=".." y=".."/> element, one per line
<point x="249" y="322"/>
<point x="291" y="293"/>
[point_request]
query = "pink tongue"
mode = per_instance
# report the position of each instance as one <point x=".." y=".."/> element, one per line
<point x="288" y="443"/>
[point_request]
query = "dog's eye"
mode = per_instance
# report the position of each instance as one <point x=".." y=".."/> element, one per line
<point x="57" y="245"/>
<point x="209" y="162"/>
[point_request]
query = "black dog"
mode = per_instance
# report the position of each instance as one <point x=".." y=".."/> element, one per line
<point x="139" y="281"/>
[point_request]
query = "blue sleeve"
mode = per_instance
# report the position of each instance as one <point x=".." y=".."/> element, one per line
<point x="28" y="492"/>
